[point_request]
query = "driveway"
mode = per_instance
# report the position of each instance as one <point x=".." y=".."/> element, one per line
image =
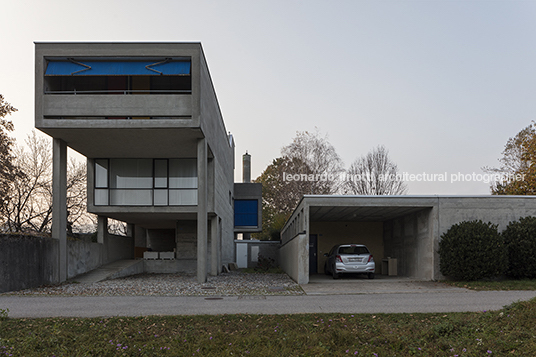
<point x="320" y="284"/>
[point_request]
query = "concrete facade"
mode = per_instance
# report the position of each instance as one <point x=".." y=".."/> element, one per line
<point x="407" y="228"/>
<point x="154" y="119"/>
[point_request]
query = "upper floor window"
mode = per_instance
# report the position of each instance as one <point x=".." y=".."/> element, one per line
<point x="145" y="182"/>
<point x="133" y="76"/>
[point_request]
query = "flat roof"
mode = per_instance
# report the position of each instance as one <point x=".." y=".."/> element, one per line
<point x="378" y="208"/>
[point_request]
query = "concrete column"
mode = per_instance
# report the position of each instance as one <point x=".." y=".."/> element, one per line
<point x="215" y="246"/>
<point x="59" y="204"/>
<point x="131" y="232"/>
<point x="140" y="237"/>
<point x="102" y="236"/>
<point x="202" y="205"/>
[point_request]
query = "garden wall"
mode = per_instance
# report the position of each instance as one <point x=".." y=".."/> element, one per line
<point x="28" y="261"/>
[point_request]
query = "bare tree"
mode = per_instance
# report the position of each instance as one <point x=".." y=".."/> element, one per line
<point x="118" y="228"/>
<point x="309" y="165"/>
<point x="78" y="219"/>
<point x="316" y="162"/>
<point x="7" y="168"/>
<point x="374" y="174"/>
<point x="30" y="204"/>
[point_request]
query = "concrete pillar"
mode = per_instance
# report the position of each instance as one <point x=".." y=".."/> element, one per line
<point x="140" y="237"/>
<point x="202" y="206"/>
<point x="102" y="236"/>
<point x="131" y="232"/>
<point x="59" y="205"/>
<point x="215" y="246"/>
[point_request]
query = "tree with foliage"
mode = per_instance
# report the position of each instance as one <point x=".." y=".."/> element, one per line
<point x="517" y="171"/>
<point x="308" y="165"/>
<point x="374" y="174"/>
<point x="279" y="197"/>
<point x="7" y="168"/>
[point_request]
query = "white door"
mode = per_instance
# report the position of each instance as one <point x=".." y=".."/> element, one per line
<point x="242" y="255"/>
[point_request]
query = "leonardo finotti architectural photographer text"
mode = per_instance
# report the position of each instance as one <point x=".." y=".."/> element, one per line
<point x="407" y="177"/>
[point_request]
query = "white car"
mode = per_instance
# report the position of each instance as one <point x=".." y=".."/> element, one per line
<point x="349" y="258"/>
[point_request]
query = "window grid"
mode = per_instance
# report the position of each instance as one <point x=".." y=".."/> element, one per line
<point x="157" y="195"/>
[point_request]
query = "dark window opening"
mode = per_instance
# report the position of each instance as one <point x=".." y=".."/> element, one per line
<point x="178" y="117"/>
<point x="118" y="85"/>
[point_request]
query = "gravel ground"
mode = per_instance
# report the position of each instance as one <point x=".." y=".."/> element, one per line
<point x="233" y="283"/>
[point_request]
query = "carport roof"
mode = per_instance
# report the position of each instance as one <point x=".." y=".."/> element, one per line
<point x="364" y="208"/>
<point x="378" y="208"/>
<point x="363" y="213"/>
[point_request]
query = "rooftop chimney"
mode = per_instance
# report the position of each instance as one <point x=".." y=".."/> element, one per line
<point x="246" y="168"/>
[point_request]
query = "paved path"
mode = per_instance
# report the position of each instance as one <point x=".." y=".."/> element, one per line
<point x="325" y="285"/>
<point x="79" y="306"/>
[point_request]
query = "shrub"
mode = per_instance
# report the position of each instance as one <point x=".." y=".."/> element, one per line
<point x="520" y="240"/>
<point x="265" y="263"/>
<point x="472" y="250"/>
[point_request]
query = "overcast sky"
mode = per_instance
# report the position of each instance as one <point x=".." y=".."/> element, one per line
<point x="442" y="84"/>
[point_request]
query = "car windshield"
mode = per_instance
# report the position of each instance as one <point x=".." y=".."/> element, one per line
<point x="353" y="250"/>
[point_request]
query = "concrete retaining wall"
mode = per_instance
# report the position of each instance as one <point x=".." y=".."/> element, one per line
<point x="294" y="258"/>
<point x="28" y="262"/>
<point x="119" y="248"/>
<point x="83" y="257"/>
<point x="171" y="266"/>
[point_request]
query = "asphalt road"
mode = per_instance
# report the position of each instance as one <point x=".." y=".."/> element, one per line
<point x="440" y="301"/>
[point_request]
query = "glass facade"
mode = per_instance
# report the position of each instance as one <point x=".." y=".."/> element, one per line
<point x="145" y="182"/>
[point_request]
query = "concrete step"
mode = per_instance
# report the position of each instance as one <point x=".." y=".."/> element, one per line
<point x="113" y="270"/>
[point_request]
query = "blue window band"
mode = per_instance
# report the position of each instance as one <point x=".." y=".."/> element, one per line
<point x="118" y="68"/>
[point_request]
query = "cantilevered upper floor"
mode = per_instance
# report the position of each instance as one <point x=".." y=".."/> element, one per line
<point x="147" y="118"/>
<point x="99" y="87"/>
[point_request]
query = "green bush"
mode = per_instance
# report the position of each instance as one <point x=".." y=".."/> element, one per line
<point x="472" y="250"/>
<point x="520" y="240"/>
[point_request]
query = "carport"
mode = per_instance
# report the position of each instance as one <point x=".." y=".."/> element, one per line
<point x="407" y="228"/>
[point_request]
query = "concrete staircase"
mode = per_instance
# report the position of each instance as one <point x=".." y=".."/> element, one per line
<point x="113" y="270"/>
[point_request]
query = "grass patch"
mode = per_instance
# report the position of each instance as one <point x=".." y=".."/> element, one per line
<point x="510" y="331"/>
<point x="483" y="285"/>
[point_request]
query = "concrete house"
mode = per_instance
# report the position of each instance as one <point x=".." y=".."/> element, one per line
<point x="146" y="117"/>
